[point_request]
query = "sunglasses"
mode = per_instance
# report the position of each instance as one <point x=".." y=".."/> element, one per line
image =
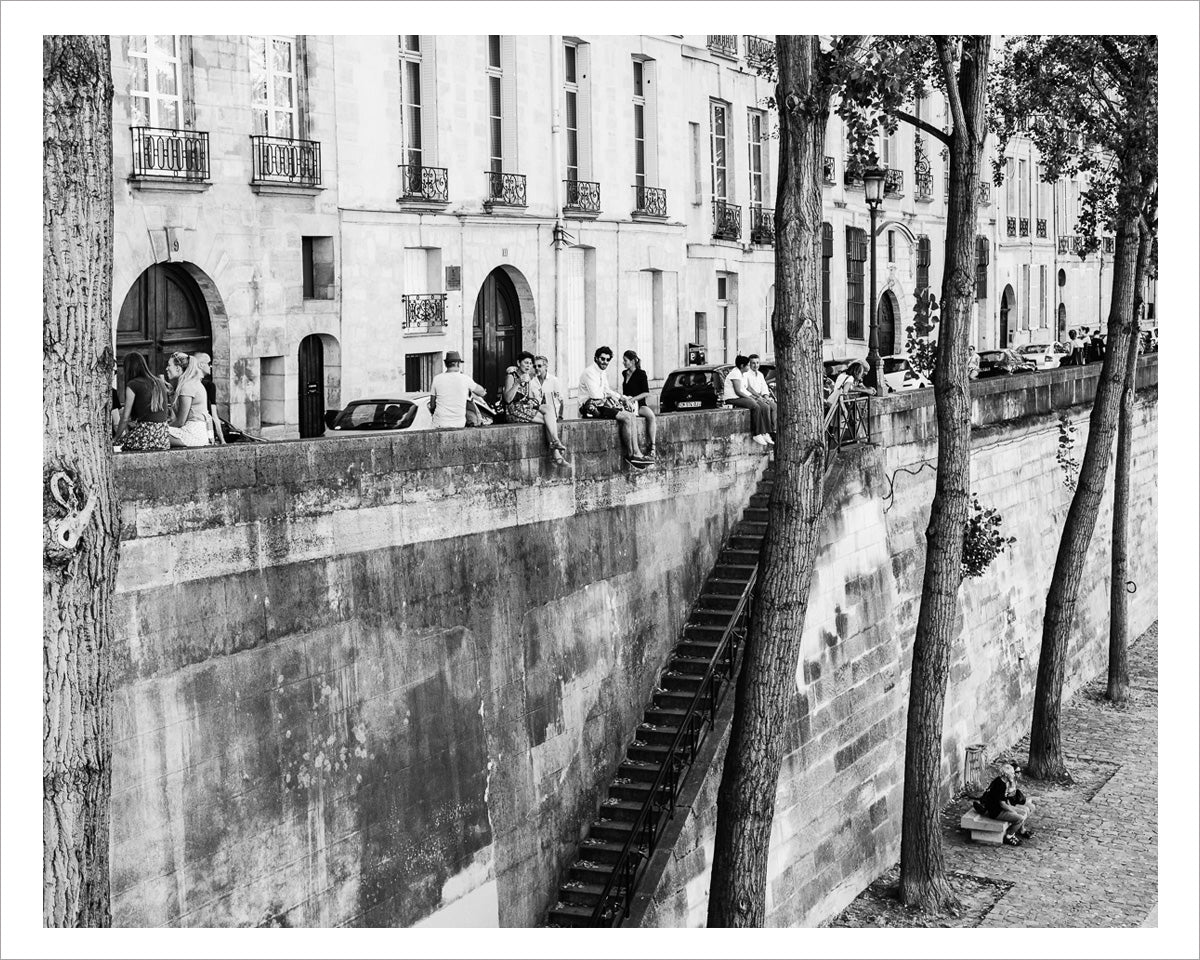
<point x="603" y="359"/>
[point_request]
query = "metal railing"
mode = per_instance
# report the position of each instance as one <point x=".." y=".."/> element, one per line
<point x="617" y="897"/>
<point x="727" y="220"/>
<point x="848" y="421"/>
<point x="286" y="160"/>
<point x="893" y="182"/>
<point x="1110" y="244"/>
<point x="1069" y="244"/>
<point x="759" y="50"/>
<point x="1012" y="226"/>
<point x="924" y="184"/>
<point x="1041" y="228"/>
<point x="762" y="225"/>
<point x="418" y="182"/>
<point x="167" y="154"/>
<point x="1024" y="226"/>
<point x="725" y="44"/>
<point x="582" y="195"/>
<point x="424" y="311"/>
<point x="650" y="201"/>
<point x="829" y="170"/>
<point x="507" y="189"/>
<point x="985" y="192"/>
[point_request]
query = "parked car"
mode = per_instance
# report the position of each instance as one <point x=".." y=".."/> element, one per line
<point x="1046" y="356"/>
<point x="700" y="388"/>
<point x="900" y="375"/>
<point x="406" y="411"/>
<point x="997" y="363"/>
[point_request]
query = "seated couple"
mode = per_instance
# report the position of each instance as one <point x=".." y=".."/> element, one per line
<point x="1002" y="800"/>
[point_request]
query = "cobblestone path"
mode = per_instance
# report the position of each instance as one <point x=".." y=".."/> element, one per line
<point x="1094" y="859"/>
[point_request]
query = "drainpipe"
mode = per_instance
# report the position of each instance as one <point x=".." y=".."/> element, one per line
<point x="559" y="352"/>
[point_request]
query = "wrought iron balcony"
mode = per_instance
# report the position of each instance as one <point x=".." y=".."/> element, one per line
<point x="893" y="183"/>
<point x="582" y="196"/>
<point x="1041" y="228"/>
<point x="853" y="174"/>
<point x="1012" y="226"/>
<point x="830" y="170"/>
<point x="649" y="201"/>
<point x="286" y="161"/>
<point x="727" y="221"/>
<point x="922" y="171"/>
<point x="1069" y="244"/>
<point x="985" y="192"/>
<point x="164" y="154"/>
<point x="505" y="189"/>
<point x="1110" y="244"/>
<point x="1024" y="226"/>
<point x="759" y="50"/>
<point x="418" y="182"/>
<point x="424" y="311"/>
<point x="726" y="44"/>
<point x="762" y="225"/>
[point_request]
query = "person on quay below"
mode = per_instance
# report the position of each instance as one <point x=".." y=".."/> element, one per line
<point x="756" y="385"/>
<point x="735" y="394"/>
<point x="146" y="410"/>
<point x="1096" y="347"/>
<point x="552" y="390"/>
<point x="600" y="401"/>
<point x="526" y="403"/>
<point x="210" y="394"/>
<point x="449" y="392"/>
<point x="972" y="362"/>
<point x="188" y="426"/>
<point x="1003" y="801"/>
<point x="635" y="386"/>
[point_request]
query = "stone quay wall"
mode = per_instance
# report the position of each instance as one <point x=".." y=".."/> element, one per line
<point x="840" y="798"/>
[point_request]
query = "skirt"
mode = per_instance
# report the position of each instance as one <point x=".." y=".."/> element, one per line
<point x="194" y="433"/>
<point x="140" y="435"/>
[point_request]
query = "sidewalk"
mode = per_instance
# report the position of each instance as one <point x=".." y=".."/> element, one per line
<point x="1094" y="859"/>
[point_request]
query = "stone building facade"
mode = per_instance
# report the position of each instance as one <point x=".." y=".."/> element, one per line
<point x="328" y="215"/>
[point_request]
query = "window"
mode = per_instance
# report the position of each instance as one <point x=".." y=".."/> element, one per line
<point x="826" y="263"/>
<point x="410" y="100"/>
<point x="649" y="315"/>
<point x="724" y="295"/>
<point x="571" y="86"/>
<point x="1025" y="288"/>
<point x="639" y="124"/>
<point x="272" y="392"/>
<point x="419" y="371"/>
<point x="1042" y="295"/>
<point x="887" y="151"/>
<point x="273" y="75"/>
<point x="923" y="259"/>
<point x="856" y="256"/>
<point x="501" y="75"/>
<point x="495" y="107"/>
<point x="718" y="118"/>
<point x="701" y="329"/>
<point x="579" y="275"/>
<point x="1010" y="187"/>
<point x="891" y="247"/>
<point x="1023" y="176"/>
<point x="982" y="258"/>
<point x="697" y="182"/>
<point x="757" y="157"/>
<point x="154" y="89"/>
<point x="318" y="267"/>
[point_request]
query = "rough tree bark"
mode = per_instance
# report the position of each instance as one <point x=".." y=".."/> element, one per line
<point x="79" y="512"/>
<point x="922" y="876"/>
<point x="746" y="799"/>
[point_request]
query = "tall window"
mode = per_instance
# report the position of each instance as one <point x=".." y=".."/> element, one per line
<point x="495" y="107"/>
<point x="649" y="315"/>
<point x="887" y="151"/>
<point x="1042" y="295"/>
<point x="891" y="242"/>
<point x="410" y="98"/>
<point x="1010" y="187"/>
<point x="757" y="151"/>
<point x="719" y="119"/>
<point x="856" y="256"/>
<point x="571" y="85"/>
<point x="1025" y="289"/>
<point x="1023" y="177"/>
<point x="923" y="258"/>
<point x="639" y="123"/>
<point x="273" y="74"/>
<point x="982" y="259"/>
<point x="826" y="263"/>
<point x="154" y="88"/>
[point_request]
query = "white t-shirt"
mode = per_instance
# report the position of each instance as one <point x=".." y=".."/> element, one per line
<point x="757" y="382"/>
<point x="729" y="393"/>
<point x="450" y="389"/>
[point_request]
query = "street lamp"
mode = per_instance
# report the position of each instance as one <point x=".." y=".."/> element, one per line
<point x="873" y="178"/>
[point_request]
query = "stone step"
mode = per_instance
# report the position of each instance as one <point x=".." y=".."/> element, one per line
<point x="570" y="915"/>
<point x="735" y="571"/>
<point x="647" y="750"/>
<point x="707" y="632"/>
<point x="718" y="601"/>
<point x="740" y="555"/>
<point x="697" y="666"/>
<point x="616" y="809"/>
<point x="751" y="528"/>
<point x="705" y="649"/>
<point x="674" y="699"/>
<point x="644" y="771"/>
<point x="741" y="542"/>
<point x="600" y="851"/>
<point x="756" y="514"/>
<point x="760" y="499"/>
<point x="723" y="586"/>
<point x="611" y="831"/>
<point x="577" y="893"/>
<point x="589" y="870"/>
<point x="662" y="734"/>
<point x="665" y="716"/>
<point x="710" y="616"/>
<point x="628" y="789"/>
<point x="676" y="681"/>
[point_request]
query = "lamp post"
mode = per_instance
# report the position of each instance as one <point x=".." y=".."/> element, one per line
<point x="873" y="178"/>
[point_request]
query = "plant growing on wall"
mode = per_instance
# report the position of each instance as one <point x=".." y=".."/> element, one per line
<point x="1065" y="453"/>
<point x="983" y="540"/>
<point x="921" y="352"/>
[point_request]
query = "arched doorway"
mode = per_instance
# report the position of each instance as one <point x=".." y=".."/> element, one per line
<point x="885" y="322"/>
<point x="164" y="312"/>
<point x="311" y="382"/>
<point x="1006" y="304"/>
<point x="496" y="330"/>
<point x="1062" y="322"/>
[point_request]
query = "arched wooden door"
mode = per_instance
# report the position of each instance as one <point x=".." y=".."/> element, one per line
<point x="496" y="330"/>
<point x="163" y="312"/>
<point x="885" y="322"/>
<point x="1006" y="303"/>
<point x="1062" y="322"/>
<point x="312" y="387"/>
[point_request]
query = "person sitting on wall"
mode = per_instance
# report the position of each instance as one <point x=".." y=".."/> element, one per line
<point x="143" y="417"/>
<point x="972" y="363"/>
<point x="525" y="402"/>
<point x="599" y="401"/>
<point x="188" y="425"/>
<point x="449" y="392"/>
<point x="552" y="391"/>
<point x="635" y="386"/>
<point x="1096" y="347"/>
<point x="735" y="394"/>
<point x="1002" y="800"/>
<point x="756" y="385"/>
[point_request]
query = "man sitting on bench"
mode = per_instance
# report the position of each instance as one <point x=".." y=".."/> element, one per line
<point x="1003" y="801"/>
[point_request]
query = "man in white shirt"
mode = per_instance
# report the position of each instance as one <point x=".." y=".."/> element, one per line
<point x="552" y="391"/>
<point x="449" y="392"/>
<point x="757" y="386"/>
<point x="600" y="401"/>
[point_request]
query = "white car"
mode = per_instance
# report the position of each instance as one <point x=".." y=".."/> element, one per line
<point x="900" y="375"/>
<point x="1047" y="356"/>
<point x="405" y="411"/>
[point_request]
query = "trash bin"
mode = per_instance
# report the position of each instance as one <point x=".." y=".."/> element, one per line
<point x="973" y="773"/>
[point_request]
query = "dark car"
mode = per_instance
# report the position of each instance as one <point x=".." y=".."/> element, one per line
<point x="700" y="388"/>
<point x="998" y="363"/>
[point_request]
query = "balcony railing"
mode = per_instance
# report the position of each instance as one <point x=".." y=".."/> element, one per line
<point x="163" y="154"/>
<point x="1012" y="227"/>
<point x="853" y="174"/>
<point x="582" y="195"/>
<point x="727" y="221"/>
<point x="1069" y="244"/>
<point x="1024" y="226"/>
<point x="287" y="161"/>
<point x="505" y="189"/>
<point x="424" y="311"/>
<point x="1041" y="228"/>
<point x="419" y="182"/>
<point x="848" y="421"/>
<point x="1110" y="244"/>
<point x="922" y="171"/>
<point x="830" y="170"/>
<point x="762" y="225"/>
<point x="985" y="192"/>
<point x="649" y="201"/>
<point x="759" y="50"/>
<point x="893" y="183"/>
<point x="726" y="44"/>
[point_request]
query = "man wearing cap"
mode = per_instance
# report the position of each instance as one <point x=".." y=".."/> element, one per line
<point x="449" y="392"/>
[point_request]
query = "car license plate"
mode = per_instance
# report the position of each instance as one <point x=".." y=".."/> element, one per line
<point x="688" y="404"/>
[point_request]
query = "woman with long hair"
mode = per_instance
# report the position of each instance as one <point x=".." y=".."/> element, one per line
<point x="147" y="407"/>
<point x="525" y="402"/>
<point x="188" y="426"/>
<point x="636" y="386"/>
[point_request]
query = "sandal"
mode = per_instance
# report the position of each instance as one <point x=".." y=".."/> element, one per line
<point x="1012" y="840"/>
<point x="559" y="459"/>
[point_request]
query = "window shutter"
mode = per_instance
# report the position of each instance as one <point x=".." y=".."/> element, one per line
<point x="187" y="83"/>
<point x="301" y="66"/>
<point x="429" y="125"/>
<point x="583" y="73"/>
<point x="574" y="319"/>
<point x="508" y="102"/>
<point x="650" y="120"/>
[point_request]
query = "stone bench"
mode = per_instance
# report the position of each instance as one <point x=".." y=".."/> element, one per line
<point x="983" y="829"/>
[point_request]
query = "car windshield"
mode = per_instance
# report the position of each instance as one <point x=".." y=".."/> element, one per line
<point x="895" y="364"/>
<point x="1032" y="348"/>
<point x="688" y="379"/>
<point x="373" y="415"/>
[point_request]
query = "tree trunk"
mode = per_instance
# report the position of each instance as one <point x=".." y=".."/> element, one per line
<point x="746" y="799"/>
<point x="1046" y="759"/>
<point x="922" y="877"/>
<point x="1118" y="620"/>
<point x="79" y="511"/>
